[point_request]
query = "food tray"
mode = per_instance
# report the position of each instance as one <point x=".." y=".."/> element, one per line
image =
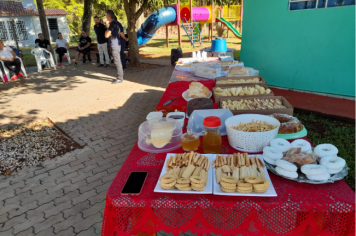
<point x="208" y="187"/>
<point x="217" y="98"/>
<point x="262" y="81"/>
<point x="289" y="110"/>
<point x="271" y="192"/>
<point x="303" y="179"/>
<point x="297" y="135"/>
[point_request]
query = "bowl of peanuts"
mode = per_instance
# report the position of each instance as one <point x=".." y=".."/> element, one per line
<point x="251" y="132"/>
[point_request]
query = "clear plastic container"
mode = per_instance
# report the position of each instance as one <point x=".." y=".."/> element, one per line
<point x="159" y="135"/>
<point x="190" y="141"/>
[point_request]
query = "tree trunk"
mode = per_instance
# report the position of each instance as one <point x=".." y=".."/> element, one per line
<point x="140" y="20"/>
<point x="43" y="20"/>
<point x="130" y="10"/>
<point x="86" y="19"/>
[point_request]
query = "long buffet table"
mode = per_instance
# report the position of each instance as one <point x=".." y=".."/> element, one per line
<point x="299" y="208"/>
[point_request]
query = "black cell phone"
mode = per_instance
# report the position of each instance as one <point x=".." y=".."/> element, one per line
<point x="134" y="183"/>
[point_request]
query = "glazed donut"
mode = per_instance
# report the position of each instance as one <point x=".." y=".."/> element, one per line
<point x="322" y="177"/>
<point x="332" y="162"/>
<point x="334" y="171"/>
<point x="270" y="161"/>
<point x="286" y="173"/>
<point x="303" y="144"/>
<point x="272" y="153"/>
<point x="313" y="169"/>
<point x="281" y="144"/>
<point x="326" y="149"/>
<point x="286" y="165"/>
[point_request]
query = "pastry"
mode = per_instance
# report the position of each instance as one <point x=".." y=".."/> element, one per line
<point x="238" y="81"/>
<point x="199" y="104"/>
<point x="207" y="72"/>
<point x="240" y="91"/>
<point x="289" y="124"/>
<point x="198" y="90"/>
<point x="237" y="71"/>
<point x="253" y="104"/>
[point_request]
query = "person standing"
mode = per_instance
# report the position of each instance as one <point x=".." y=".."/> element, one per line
<point x="61" y="47"/>
<point x="123" y="41"/>
<point x="83" y="47"/>
<point x="113" y="33"/>
<point x="8" y="56"/>
<point x="100" y="30"/>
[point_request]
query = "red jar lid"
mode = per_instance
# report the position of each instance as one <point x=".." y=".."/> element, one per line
<point x="212" y="121"/>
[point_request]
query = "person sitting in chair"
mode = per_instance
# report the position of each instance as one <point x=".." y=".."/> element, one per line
<point x="61" y="47"/>
<point x="8" y="56"/>
<point x="83" y="47"/>
<point x="43" y="43"/>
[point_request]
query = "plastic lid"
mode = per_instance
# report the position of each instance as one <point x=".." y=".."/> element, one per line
<point x="212" y="121"/>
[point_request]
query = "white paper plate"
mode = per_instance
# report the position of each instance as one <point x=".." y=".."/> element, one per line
<point x="208" y="187"/>
<point x="186" y="92"/>
<point x="271" y="192"/>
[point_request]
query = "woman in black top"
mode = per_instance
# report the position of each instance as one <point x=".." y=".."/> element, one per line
<point x="83" y="47"/>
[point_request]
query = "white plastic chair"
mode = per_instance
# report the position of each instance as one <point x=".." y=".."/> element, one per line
<point x="40" y="57"/>
<point x="2" y="75"/>
<point x="7" y="71"/>
<point x="67" y="54"/>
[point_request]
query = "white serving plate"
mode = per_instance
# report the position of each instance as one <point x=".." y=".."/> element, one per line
<point x="208" y="187"/>
<point x="271" y="192"/>
<point x="186" y="92"/>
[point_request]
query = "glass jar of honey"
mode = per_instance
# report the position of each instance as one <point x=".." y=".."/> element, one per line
<point x="190" y="141"/>
<point x="212" y="136"/>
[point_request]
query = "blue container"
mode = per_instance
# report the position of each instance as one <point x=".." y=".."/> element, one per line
<point x="218" y="45"/>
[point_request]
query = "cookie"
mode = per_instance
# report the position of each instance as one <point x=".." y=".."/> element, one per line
<point x="202" y="185"/>
<point x="185" y="188"/>
<point x="166" y="179"/>
<point x="229" y="179"/>
<point x="228" y="190"/>
<point x="183" y="181"/>
<point x="228" y="185"/>
<point x="188" y="171"/>
<point x="169" y="185"/>
<point x="198" y="189"/>
<point x="196" y="179"/>
<point x="260" y="191"/>
<point x="253" y="180"/>
<point x="182" y="185"/>
<point x="244" y="191"/>
<point x="243" y="183"/>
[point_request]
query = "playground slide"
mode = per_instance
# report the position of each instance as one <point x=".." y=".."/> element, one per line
<point x="229" y="26"/>
<point x="154" y="22"/>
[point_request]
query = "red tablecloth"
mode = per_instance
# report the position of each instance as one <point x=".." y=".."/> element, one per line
<point x="299" y="209"/>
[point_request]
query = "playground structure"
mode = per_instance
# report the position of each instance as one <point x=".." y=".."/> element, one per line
<point x="191" y="19"/>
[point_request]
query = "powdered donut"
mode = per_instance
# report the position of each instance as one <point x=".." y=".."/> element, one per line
<point x="272" y="153"/>
<point x="334" y="171"/>
<point x="270" y="161"/>
<point x="303" y="144"/>
<point x="286" y="165"/>
<point x="313" y="169"/>
<point x="326" y="149"/>
<point x="322" y="177"/>
<point x="290" y="174"/>
<point x="281" y="144"/>
<point x="332" y="162"/>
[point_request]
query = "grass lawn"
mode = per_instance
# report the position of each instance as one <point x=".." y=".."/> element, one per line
<point x="342" y="135"/>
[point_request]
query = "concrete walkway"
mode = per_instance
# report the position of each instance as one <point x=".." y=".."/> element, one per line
<point x="66" y="195"/>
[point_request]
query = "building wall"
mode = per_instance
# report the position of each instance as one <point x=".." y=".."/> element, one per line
<point x="33" y="27"/>
<point x="312" y="50"/>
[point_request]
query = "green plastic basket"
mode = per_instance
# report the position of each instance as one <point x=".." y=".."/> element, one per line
<point x="300" y="134"/>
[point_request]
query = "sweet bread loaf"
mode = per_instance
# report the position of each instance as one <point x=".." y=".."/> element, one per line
<point x="198" y="90"/>
<point x="289" y="124"/>
<point x="237" y="71"/>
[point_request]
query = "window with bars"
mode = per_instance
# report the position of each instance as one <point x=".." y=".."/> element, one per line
<point x="4" y="35"/>
<point x="7" y="34"/>
<point x="316" y="4"/>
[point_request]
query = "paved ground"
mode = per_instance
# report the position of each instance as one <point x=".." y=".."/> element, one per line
<point x="66" y="195"/>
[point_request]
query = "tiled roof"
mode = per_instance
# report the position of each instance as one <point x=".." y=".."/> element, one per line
<point x="14" y="8"/>
<point x="53" y="12"/>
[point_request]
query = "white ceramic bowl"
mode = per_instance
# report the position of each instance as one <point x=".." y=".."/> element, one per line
<point x="186" y="92"/>
<point x="250" y="141"/>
